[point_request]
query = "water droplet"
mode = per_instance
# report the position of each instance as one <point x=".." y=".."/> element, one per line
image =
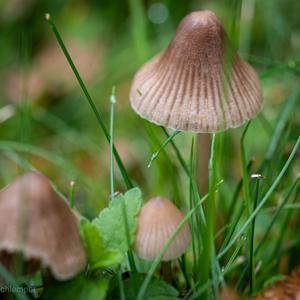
<point x="158" y="13"/>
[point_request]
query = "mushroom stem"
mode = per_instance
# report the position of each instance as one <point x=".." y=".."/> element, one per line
<point x="166" y="271"/>
<point x="47" y="278"/>
<point x="203" y="154"/>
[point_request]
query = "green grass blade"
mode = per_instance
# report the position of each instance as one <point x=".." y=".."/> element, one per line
<point x="197" y="224"/>
<point x="263" y="201"/>
<point x="246" y="188"/>
<point x="162" y="147"/>
<point x="138" y="29"/>
<point x="112" y="101"/>
<point x="12" y="284"/>
<point x="235" y="25"/>
<point x="177" y="152"/>
<point x="121" y="286"/>
<point x="278" y="244"/>
<point x="125" y="176"/>
<point x="252" y="233"/>
<point x="111" y="176"/>
<point x="195" y="293"/>
<point x="242" y="277"/>
<point x="281" y="124"/>
<point x="236" y="194"/>
<point x="208" y="257"/>
<point x="71" y="194"/>
<point x="276" y="214"/>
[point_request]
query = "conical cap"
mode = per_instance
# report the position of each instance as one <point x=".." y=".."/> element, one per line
<point x="199" y="83"/>
<point x="157" y="221"/>
<point x="37" y="222"/>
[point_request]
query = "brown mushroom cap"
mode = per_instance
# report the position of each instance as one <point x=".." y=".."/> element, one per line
<point x="157" y="220"/>
<point x="37" y="222"/>
<point x="199" y="83"/>
<point x="286" y="289"/>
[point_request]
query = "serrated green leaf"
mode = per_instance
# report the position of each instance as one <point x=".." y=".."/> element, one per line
<point x="111" y="224"/>
<point x="79" y="288"/>
<point x="98" y="255"/>
<point x="157" y="290"/>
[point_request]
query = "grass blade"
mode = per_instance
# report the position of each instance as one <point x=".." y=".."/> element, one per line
<point x="258" y="177"/>
<point x="263" y="201"/>
<point x="163" y="145"/>
<point x="276" y="214"/>
<point x="125" y="176"/>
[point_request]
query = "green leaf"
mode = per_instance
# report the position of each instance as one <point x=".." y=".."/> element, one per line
<point x="157" y="289"/>
<point x="79" y="288"/>
<point x="98" y="255"/>
<point x="111" y="223"/>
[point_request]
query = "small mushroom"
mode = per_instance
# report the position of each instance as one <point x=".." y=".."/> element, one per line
<point x="36" y="222"/>
<point x="157" y="220"/>
<point x="199" y="83"/>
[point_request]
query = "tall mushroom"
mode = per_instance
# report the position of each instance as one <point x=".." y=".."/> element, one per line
<point x="199" y="83"/>
<point x="36" y="222"/>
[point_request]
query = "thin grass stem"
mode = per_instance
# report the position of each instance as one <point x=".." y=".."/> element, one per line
<point x="195" y="294"/>
<point x="123" y="171"/>
<point x="162" y="147"/>
<point x="111" y="173"/>
<point x="246" y="189"/>
<point x="276" y="214"/>
<point x="235" y="25"/>
<point x="208" y="242"/>
<point x="196" y="225"/>
<point x="263" y="201"/>
<point x="121" y="286"/>
<point x="71" y="194"/>
<point x="252" y="233"/>
<point x="281" y="124"/>
<point x="177" y="152"/>
<point x="112" y="101"/>
<point x="263" y="239"/>
<point x="139" y="29"/>
<point x="282" y="233"/>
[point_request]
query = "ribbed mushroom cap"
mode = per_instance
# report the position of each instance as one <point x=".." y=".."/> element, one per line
<point x="286" y="289"/>
<point x="157" y="220"/>
<point x="199" y="83"/>
<point x="37" y="222"/>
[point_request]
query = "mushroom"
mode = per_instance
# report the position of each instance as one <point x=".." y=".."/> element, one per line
<point x="199" y="83"/>
<point x="157" y="220"/>
<point x="36" y="222"/>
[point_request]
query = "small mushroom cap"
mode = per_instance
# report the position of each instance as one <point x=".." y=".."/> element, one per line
<point x="157" y="220"/>
<point x="199" y="83"/>
<point x="37" y="222"/>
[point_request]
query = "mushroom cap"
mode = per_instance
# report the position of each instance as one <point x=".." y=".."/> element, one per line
<point x="199" y="83"/>
<point x="157" y="220"/>
<point x="37" y="222"/>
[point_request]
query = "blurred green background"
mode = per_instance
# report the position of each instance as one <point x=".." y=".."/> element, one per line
<point x="47" y="124"/>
